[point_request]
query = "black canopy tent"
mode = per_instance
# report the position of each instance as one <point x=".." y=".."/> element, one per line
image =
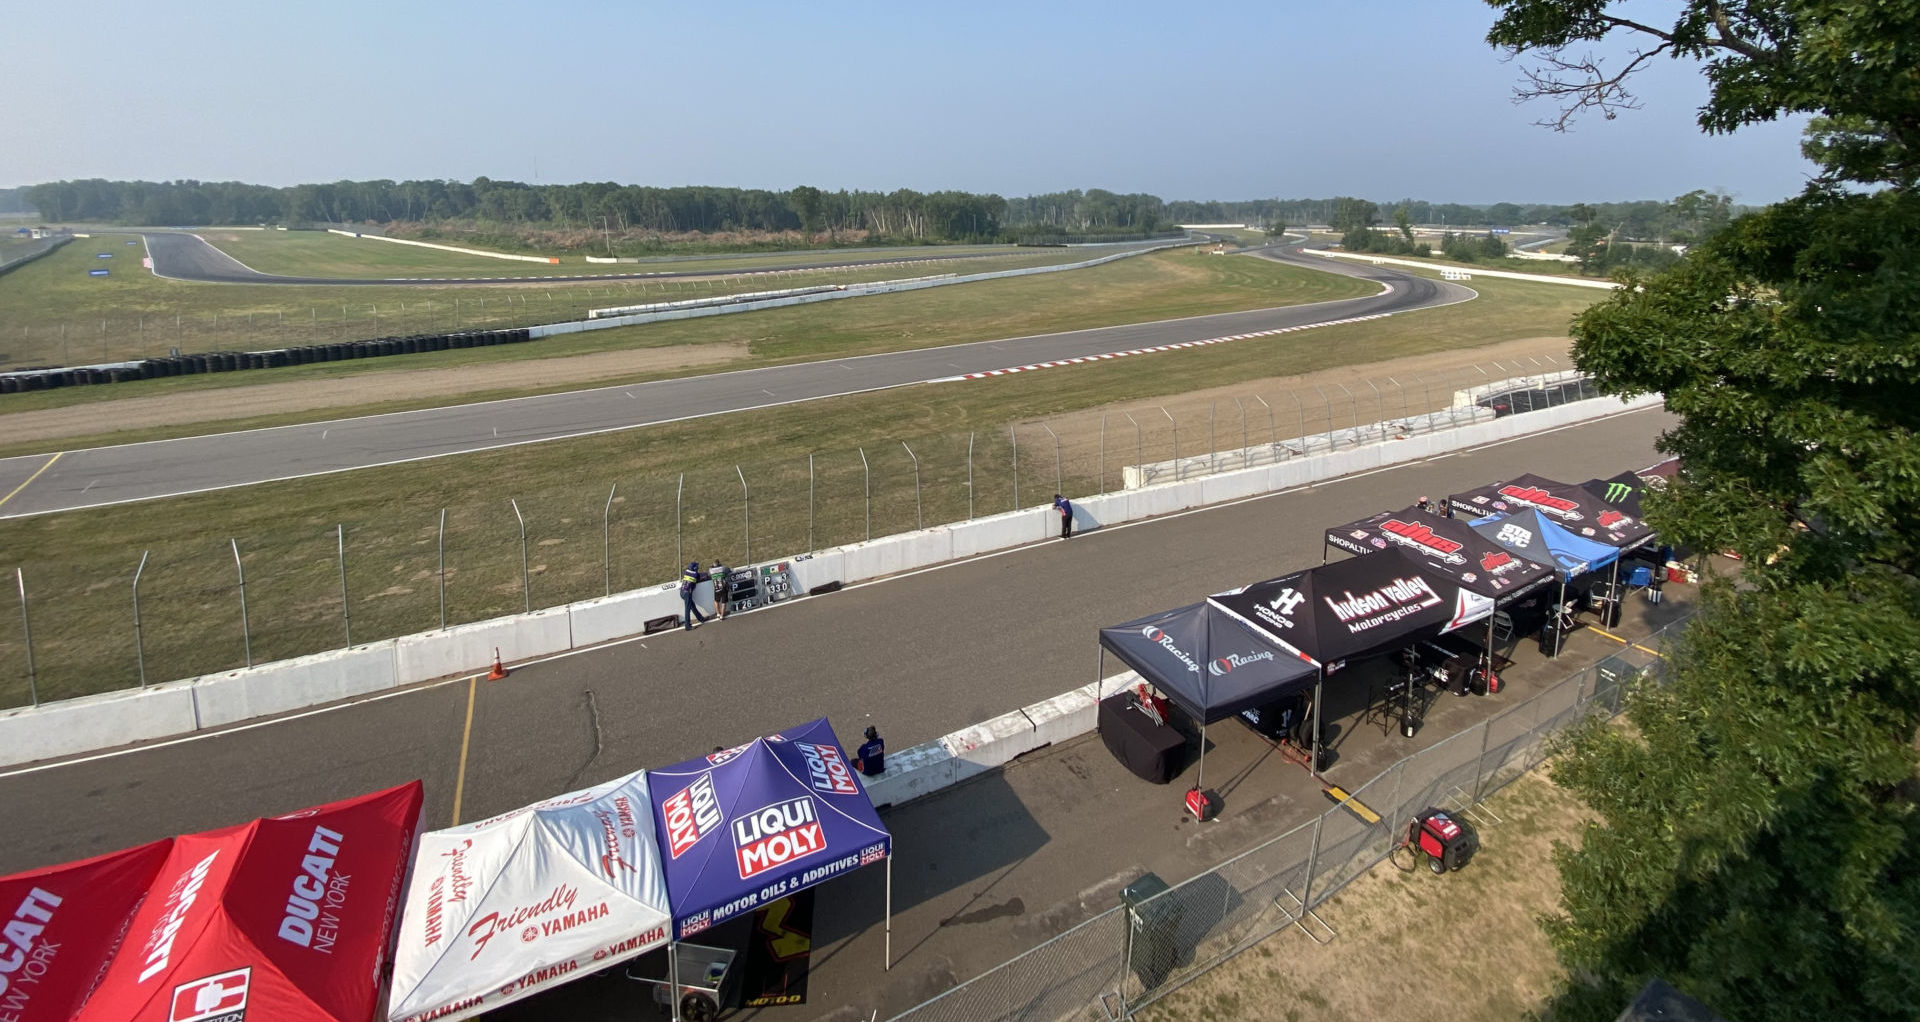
<point x="1350" y="609"/>
<point x="1209" y="662"/>
<point x="1449" y="547"/>
<point x="1623" y="491"/>
<point x="1580" y="511"/>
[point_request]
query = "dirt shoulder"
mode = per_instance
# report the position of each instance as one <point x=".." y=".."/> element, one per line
<point x="1467" y="940"/>
<point x="212" y="406"/>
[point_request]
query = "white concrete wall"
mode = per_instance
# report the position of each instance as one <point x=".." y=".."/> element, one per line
<point x="1539" y="277"/>
<point x="96" y="722"/>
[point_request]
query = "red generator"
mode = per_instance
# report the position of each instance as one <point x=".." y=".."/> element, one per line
<point x="1447" y="842"/>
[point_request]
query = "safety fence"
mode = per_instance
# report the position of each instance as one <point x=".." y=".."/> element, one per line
<point x="1130" y="956"/>
<point x="146" y="599"/>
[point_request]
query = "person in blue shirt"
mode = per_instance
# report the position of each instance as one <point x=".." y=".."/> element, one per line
<point x="1065" y="508"/>
<point x="690" y="580"/>
<point x="872" y="757"/>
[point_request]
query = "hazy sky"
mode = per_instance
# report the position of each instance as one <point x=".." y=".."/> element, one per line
<point x="1221" y="100"/>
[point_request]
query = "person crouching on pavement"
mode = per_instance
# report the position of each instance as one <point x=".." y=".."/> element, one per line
<point x="690" y="580"/>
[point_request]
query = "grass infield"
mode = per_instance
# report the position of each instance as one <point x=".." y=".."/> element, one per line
<point x="79" y="566"/>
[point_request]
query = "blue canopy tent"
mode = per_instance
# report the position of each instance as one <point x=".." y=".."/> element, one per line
<point x="1208" y="661"/>
<point x="758" y="822"/>
<point x="1530" y="535"/>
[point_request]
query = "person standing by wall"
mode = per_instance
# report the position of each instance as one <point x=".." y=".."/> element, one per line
<point x="721" y="583"/>
<point x="690" y="580"/>
<point x="1062" y="505"/>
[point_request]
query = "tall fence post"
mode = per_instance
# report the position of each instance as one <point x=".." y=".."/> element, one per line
<point x="1325" y="400"/>
<point x="679" y="494"/>
<point x="1058" y="479"/>
<point x="1176" y="442"/>
<point x="526" y="580"/>
<point x="746" y="510"/>
<point x="969" y="475"/>
<point x="1353" y="409"/>
<point x="918" y="521"/>
<point x="1213" y="407"/>
<point x="809" y="502"/>
<point x="1013" y="444"/>
<point x="26" y="630"/>
<point x="139" y="643"/>
<point x="246" y="632"/>
<point x="1313" y="862"/>
<point x="606" y="544"/>
<point x="867" y="470"/>
<point x="443" y="569"/>
<point x="346" y="609"/>
<point x="1139" y="454"/>
<point x="1301" y="414"/>
<point x="1103" y="452"/>
<point x="1379" y="410"/>
<point x="1242" y="405"/>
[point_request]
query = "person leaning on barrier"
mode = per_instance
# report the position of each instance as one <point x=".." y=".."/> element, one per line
<point x="690" y="580"/>
<point x="871" y="759"/>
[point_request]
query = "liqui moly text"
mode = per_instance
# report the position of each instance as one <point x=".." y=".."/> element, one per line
<point x="776" y="835"/>
<point x="827" y="770"/>
<point x="691" y="814"/>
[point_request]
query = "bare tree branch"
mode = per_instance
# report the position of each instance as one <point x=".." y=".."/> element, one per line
<point x="1582" y="84"/>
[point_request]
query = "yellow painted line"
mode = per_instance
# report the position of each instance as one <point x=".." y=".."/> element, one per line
<point x="1624" y="642"/>
<point x="1350" y="804"/>
<point x="31" y="478"/>
<point x="466" y="733"/>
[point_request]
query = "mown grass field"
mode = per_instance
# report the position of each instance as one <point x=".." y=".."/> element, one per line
<point x="53" y="313"/>
<point x="1140" y="289"/>
<point x="1466" y="945"/>
<point x="79" y="566"/>
<point x="322" y="254"/>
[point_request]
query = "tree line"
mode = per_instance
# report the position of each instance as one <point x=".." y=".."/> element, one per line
<point x="903" y="214"/>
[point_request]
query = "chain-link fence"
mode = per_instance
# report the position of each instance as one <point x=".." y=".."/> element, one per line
<point x="1132" y="955"/>
<point x="170" y="599"/>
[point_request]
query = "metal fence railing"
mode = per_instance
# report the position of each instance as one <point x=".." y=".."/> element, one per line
<point x="157" y="598"/>
<point x="1130" y="956"/>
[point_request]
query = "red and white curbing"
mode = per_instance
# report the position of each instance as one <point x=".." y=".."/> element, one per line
<point x="1158" y="347"/>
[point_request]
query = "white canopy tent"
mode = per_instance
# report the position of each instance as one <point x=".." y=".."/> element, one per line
<point x="506" y="907"/>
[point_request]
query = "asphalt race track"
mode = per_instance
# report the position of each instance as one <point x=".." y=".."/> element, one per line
<point x="919" y="655"/>
<point x="89" y="478"/>
<point x="181" y="256"/>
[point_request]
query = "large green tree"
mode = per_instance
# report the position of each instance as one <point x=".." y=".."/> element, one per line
<point x="1757" y="841"/>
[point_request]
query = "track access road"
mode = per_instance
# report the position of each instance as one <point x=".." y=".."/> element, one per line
<point x="182" y="256"/>
<point x="40" y="484"/>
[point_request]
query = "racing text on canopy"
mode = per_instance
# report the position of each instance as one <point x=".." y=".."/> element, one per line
<point x="757" y="822"/>
<point x="1573" y="508"/>
<point x="1354" y="608"/>
<point x="1447" y="546"/>
<point x="285" y="919"/>
<point x="509" y="906"/>
<point x="1208" y="661"/>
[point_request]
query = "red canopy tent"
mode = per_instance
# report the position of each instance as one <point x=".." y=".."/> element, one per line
<point x="287" y="919"/>
<point x="61" y="922"/>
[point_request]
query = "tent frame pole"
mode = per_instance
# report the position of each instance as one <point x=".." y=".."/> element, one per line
<point x="1319" y="686"/>
<point x="673" y="977"/>
<point x="889" y="960"/>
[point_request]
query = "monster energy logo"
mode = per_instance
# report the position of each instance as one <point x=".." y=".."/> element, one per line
<point x="1617" y="492"/>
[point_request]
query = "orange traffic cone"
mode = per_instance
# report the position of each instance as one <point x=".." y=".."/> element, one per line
<point x="499" y="670"/>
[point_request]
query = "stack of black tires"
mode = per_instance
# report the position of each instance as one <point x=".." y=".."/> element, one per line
<point x="51" y="378"/>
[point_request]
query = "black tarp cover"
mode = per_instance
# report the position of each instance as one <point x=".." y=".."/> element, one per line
<point x="1446" y="545"/>
<point x="1207" y="661"/>
<point x="1573" y="508"/>
<point x="1350" y="609"/>
<point x="1623" y="491"/>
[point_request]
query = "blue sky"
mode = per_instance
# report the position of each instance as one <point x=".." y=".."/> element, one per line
<point x="1204" y="101"/>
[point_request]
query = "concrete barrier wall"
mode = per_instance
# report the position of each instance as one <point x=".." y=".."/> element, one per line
<point x="1475" y="270"/>
<point x="548" y="260"/>
<point x="464" y="649"/>
<point x="285" y="685"/>
<point x="97" y="722"/>
<point x="73" y="726"/>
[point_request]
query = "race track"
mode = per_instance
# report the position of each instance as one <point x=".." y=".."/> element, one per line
<point x="189" y="257"/>
<point x="921" y="655"/>
<point x="40" y="484"/>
